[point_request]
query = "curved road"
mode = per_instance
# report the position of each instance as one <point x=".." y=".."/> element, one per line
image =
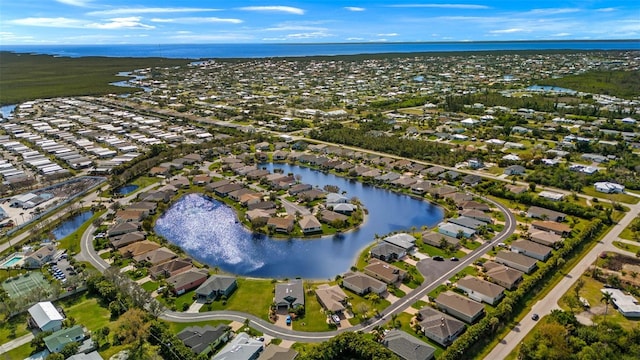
<point x="87" y="253"/>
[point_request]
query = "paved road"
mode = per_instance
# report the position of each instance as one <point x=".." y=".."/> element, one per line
<point x="550" y="302"/>
<point x="15" y="343"/>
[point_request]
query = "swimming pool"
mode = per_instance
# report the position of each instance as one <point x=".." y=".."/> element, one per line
<point x="13" y="260"/>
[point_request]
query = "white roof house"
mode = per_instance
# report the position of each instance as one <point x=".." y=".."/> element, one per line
<point x="626" y="304"/>
<point x="608" y="187"/>
<point x="46" y="316"/>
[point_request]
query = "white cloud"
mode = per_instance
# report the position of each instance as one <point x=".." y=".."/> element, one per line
<point x="81" y="3"/>
<point x="552" y="11"/>
<point x="388" y="35"/>
<point x="508" y="31"/>
<point x="224" y="37"/>
<point x="58" y="22"/>
<point x="354" y="8"/>
<point x="148" y="10"/>
<point x="563" y="34"/>
<point x="295" y="28"/>
<point x="609" y="9"/>
<point x="197" y="20"/>
<point x="62" y="22"/>
<point x="354" y="39"/>
<point x="309" y="35"/>
<point x="132" y="22"/>
<point x="443" y="6"/>
<point x="280" y="9"/>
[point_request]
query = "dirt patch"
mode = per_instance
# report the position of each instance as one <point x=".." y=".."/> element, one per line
<point x="616" y="261"/>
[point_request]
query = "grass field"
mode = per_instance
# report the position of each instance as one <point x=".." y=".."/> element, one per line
<point x="627" y="247"/>
<point x="623" y="198"/>
<point x="252" y="296"/>
<point x="50" y="76"/>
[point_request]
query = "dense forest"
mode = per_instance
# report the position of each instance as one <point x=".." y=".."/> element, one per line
<point x="26" y="77"/>
<point x="624" y="84"/>
<point x="377" y="141"/>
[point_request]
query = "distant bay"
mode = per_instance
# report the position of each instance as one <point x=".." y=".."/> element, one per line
<point x="206" y="51"/>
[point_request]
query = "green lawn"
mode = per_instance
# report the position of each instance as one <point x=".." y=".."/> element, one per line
<point x="627" y="233"/>
<point x="314" y="318"/>
<point x="356" y="301"/>
<point x="435" y="292"/>
<point x="143" y="182"/>
<point x="469" y="270"/>
<point x="13" y="328"/>
<point x="624" y="198"/>
<point x="625" y="246"/>
<point x="20" y="352"/>
<point x="253" y="296"/>
<point x="434" y="251"/>
<point x="150" y="286"/>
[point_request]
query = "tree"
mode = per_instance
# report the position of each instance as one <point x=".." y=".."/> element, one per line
<point x="55" y="356"/>
<point x="607" y="298"/>
<point x="37" y="342"/>
<point x="70" y="349"/>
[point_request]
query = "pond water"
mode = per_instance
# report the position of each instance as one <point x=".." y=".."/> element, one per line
<point x="7" y="110"/>
<point x="130" y="82"/>
<point x="71" y="225"/>
<point x="208" y="231"/>
<point x="127" y="189"/>
<point x="551" y="88"/>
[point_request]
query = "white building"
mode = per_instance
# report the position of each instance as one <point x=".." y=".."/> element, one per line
<point x="609" y="187"/>
<point x="45" y="316"/>
<point x="626" y="304"/>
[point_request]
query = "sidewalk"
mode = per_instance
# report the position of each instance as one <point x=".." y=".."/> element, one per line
<point x="15" y="343"/>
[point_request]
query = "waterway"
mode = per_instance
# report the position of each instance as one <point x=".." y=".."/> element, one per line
<point x="131" y="82"/>
<point x="547" y="88"/>
<point x="7" y="110"/>
<point x="209" y="232"/>
<point x="71" y="225"/>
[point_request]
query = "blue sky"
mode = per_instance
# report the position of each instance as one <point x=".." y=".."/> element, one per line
<point x="271" y="21"/>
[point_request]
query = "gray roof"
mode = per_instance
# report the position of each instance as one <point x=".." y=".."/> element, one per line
<point x="94" y="355"/>
<point x="467" y="222"/>
<point x="402" y="240"/>
<point x="408" y="347"/>
<point x="198" y="338"/>
<point x="438" y="324"/>
<point x="386" y="249"/>
<point x="215" y="283"/>
<point x="242" y="347"/>
<point x="291" y="293"/>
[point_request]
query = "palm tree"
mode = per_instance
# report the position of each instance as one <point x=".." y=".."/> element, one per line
<point x="607" y="298"/>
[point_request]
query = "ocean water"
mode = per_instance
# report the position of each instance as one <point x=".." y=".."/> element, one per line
<point x="203" y="51"/>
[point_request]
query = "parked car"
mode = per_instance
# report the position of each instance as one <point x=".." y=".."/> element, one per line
<point x="454" y="259"/>
<point x="438" y="258"/>
<point x="535" y="317"/>
<point x="288" y="320"/>
<point x="336" y="319"/>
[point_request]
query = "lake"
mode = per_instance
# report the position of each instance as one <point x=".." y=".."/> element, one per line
<point x="69" y="226"/>
<point x="127" y="189"/>
<point x="208" y="231"/>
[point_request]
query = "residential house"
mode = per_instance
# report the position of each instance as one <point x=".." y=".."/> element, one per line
<point x="130" y="215"/>
<point x="545" y="238"/>
<point x="481" y="290"/>
<point x="215" y="287"/>
<point x="552" y="226"/>
<point x="627" y="305"/>
<point x="472" y="180"/>
<point x="159" y="171"/>
<point x="298" y="188"/>
<point x="122" y="228"/>
<point x="549" y="195"/>
<point x="138" y="248"/>
<point x="157" y="256"/>
<point x="281" y="224"/>
<point x="514" y="170"/>
<point x="201" y="179"/>
<point x="346" y="209"/>
<point x="39" y="257"/>
<point x="385" y="272"/>
<point x="408" y="347"/>
<point x="454" y="230"/>
<point x="169" y="268"/>
<point x="439" y="327"/>
<point x="289" y="295"/>
<point x="275" y="352"/>
<point x="467" y="222"/>
<point x="363" y="284"/>
<point x="56" y="341"/>
<point x="502" y="275"/>
<point x="332" y="298"/>
<point x="224" y="190"/>
<point x="126" y="239"/>
<point x="531" y="249"/>
<point x="476" y="215"/>
<point x="608" y="187"/>
<point x="436" y="239"/>
<point x="459" y="306"/>
<point x="45" y="317"/>
<point x="280" y="155"/>
<point x="545" y="214"/>
<point x="148" y="206"/>
<point x="404" y="241"/>
<point x="335" y="198"/>
<point x="241" y="347"/>
<point x="516" y="261"/>
<point x="310" y="224"/>
<point x="474" y="205"/>
<point x="187" y="280"/>
<point x="387" y="252"/>
<point x="328" y="216"/>
<point x="216" y="184"/>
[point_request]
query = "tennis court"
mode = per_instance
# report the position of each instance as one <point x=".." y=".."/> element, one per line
<point x="18" y="287"/>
